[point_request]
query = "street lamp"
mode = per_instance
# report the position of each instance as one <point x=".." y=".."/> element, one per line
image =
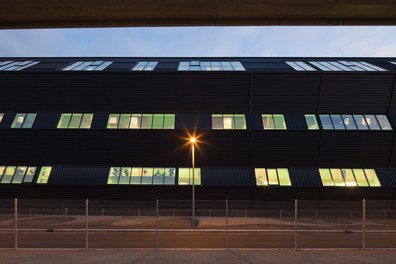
<point x="193" y="141"/>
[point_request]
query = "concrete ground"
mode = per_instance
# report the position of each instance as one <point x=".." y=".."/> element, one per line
<point x="197" y="256"/>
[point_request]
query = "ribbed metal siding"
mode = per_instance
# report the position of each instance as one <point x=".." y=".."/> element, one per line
<point x="285" y="93"/>
<point x="213" y="92"/>
<point x="355" y="93"/>
<point x="295" y="122"/>
<point x="276" y="148"/>
<point x="226" y="177"/>
<point x="356" y="149"/>
<point x="78" y="176"/>
<point x="305" y="177"/>
<point x="387" y="177"/>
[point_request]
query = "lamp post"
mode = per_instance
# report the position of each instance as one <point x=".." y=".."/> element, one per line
<point x="193" y="141"/>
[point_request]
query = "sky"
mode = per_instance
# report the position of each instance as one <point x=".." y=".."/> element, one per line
<point x="272" y="41"/>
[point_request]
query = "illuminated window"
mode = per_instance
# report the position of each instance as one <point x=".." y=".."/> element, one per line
<point x="88" y="66"/>
<point x="355" y="122"/>
<point x="349" y="177"/>
<point x="312" y="123"/>
<point x="44" y="175"/>
<point x="141" y="175"/>
<point x="145" y="66"/>
<point x="141" y="121"/>
<point x="265" y="177"/>
<point x="75" y="120"/>
<point x="17" y="174"/>
<point x="1" y="116"/>
<point x="16" y="65"/>
<point x="186" y="176"/>
<point x="23" y="120"/>
<point x="273" y="121"/>
<point x="345" y="66"/>
<point x="211" y="66"/>
<point x="228" y="121"/>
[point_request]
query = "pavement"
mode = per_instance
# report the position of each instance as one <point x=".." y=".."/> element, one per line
<point x="197" y="256"/>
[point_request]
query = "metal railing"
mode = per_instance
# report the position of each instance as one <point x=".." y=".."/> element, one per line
<point x="298" y="224"/>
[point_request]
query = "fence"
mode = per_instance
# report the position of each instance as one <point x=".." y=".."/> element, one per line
<point x="298" y="224"/>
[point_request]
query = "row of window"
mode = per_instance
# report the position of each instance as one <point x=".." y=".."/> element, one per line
<point x="23" y="174"/>
<point x="334" y="66"/>
<point x="211" y="66"/>
<point x="331" y="177"/>
<point x="197" y="65"/>
<point x="219" y="121"/>
<point x="141" y="121"/>
<point x="348" y="122"/>
<point x="153" y="176"/>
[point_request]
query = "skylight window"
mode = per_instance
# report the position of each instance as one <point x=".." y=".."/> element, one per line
<point x="300" y="66"/>
<point x="145" y="66"/>
<point x="345" y="66"/>
<point x="16" y="65"/>
<point x="88" y="66"/>
<point x="211" y="66"/>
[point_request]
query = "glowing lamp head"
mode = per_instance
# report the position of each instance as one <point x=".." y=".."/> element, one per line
<point x="193" y="140"/>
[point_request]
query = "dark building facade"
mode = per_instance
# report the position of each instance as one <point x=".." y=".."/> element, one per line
<point x="269" y="128"/>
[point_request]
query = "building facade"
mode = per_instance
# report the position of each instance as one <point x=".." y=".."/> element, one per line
<point x="268" y="128"/>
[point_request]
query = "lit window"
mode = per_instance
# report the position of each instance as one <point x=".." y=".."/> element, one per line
<point x="186" y="176"/>
<point x="88" y="66"/>
<point x="145" y="66"/>
<point x="17" y="174"/>
<point x="355" y="122"/>
<point x="300" y="66"/>
<point x="16" y="65"/>
<point x="133" y="175"/>
<point x="228" y="121"/>
<point x="312" y="123"/>
<point x="345" y="66"/>
<point x="44" y="175"/>
<point x="273" y="121"/>
<point x="75" y="120"/>
<point x="141" y="121"/>
<point x="349" y="177"/>
<point x="265" y="177"/>
<point x="211" y="66"/>
<point x="23" y="120"/>
<point x="1" y="116"/>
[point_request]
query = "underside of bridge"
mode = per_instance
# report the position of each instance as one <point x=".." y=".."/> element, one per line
<point x="16" y="14"/>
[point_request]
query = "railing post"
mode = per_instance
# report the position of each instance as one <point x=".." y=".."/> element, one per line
<point x="66" y="214"/>
<point x="86" y="223"/>
<point x="157" y="235"/>
<point x="295" y="224"/>
<point x="226" y="224"/>
<point x="364" y="224"/>
<point x="16" y="223"/>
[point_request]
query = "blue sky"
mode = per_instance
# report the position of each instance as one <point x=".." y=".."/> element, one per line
<point x="202" y="41"/>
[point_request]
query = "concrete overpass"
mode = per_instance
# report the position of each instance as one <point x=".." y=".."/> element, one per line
<point x="119" y="13"/>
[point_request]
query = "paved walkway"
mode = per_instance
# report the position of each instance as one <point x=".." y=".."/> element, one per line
<point x="196" y="256"/>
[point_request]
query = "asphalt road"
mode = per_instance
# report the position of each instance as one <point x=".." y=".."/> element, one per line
<point x="195" y="239"/>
